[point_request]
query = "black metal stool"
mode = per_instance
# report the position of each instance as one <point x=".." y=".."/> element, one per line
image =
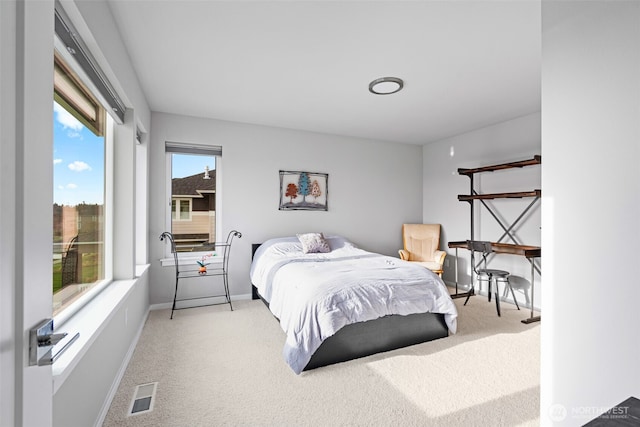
<point x="489" y="275"/>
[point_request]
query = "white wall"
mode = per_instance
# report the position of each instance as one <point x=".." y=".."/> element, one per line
<point x="85" y="396"/>
<point x="517" y="139"/>
<point x="373" y="188"/>
<point x="591" y="207"/>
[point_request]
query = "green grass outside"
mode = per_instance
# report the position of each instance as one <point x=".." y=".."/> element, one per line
<point x="90" y="271"/>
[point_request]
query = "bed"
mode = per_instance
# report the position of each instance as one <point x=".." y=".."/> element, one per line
<point x="342" y="302"/>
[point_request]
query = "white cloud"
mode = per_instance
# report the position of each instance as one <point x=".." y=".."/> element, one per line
<point x="71" y="186"/>
<point x="57" y="161"/>
<point x="67" y="120"/>
<point x="79" y="166"/>
<point x="60" y="187"/>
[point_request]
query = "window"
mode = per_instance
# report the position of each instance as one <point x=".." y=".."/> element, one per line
<point x="87" y="110"/>
<point x="79" y="150"/>
<point x="194" y="219"/>
<point x="180" y="208"/>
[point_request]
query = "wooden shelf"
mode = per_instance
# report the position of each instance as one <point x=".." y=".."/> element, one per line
<point x="515" y="195"/>
<point x="536" y="160"/>
<point x="506" y="248"/>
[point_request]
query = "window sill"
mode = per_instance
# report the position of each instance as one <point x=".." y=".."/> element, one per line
<point x="89" y="322"/>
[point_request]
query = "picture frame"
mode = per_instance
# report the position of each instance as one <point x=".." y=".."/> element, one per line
<point x="301" y="190"/>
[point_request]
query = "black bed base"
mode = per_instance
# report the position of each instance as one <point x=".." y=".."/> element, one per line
<point x="375" y="336"/>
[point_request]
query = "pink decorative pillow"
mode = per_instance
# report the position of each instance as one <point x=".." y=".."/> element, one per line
<point x="313" y="243"/>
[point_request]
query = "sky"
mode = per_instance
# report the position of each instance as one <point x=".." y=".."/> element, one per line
<point x="78" y="161"/>
<point x="189" y="164"/>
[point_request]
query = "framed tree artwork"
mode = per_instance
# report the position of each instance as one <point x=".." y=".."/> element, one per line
<point x="303" y="191"/>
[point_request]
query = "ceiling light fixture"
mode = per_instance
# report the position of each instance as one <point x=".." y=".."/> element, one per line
<point x="386" y="85"/>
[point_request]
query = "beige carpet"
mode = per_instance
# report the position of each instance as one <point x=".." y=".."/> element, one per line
<point x="215" y="367"/>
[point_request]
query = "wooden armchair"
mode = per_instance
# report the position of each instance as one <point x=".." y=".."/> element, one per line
<point x="421" y="242"/>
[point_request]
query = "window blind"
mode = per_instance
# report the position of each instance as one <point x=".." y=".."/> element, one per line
<point x="76" y="98"/>
<point x="190" y="148"/>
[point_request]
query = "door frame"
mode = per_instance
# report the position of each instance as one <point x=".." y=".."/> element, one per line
<point x="26" y="198"/>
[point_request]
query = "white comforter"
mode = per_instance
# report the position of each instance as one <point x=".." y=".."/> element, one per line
<point x="315" y="295"/>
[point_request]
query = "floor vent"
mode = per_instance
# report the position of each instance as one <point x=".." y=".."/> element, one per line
<point x="143" y="399"/>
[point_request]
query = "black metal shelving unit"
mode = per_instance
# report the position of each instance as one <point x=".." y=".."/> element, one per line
<point x="514" y="247"/>
<point x="185" y="271"/>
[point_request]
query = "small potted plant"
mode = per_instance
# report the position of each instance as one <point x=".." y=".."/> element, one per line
<point x="203" y="265"/>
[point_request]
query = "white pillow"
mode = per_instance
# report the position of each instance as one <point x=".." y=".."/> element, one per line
<point x="313" y="243"/>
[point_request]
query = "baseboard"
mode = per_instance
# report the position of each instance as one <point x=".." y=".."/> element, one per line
<point x="123" y="367"/>
<point x="161" y="306"/>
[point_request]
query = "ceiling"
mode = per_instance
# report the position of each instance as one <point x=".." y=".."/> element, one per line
<point x="307" y="64"/>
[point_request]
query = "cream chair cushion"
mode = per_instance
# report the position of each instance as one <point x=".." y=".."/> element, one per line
<point x="421" y="242"/>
